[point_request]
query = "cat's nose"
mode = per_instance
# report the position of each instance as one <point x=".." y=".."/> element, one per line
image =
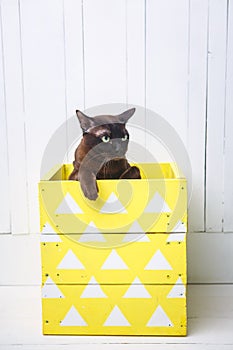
<point x="116" y="146"/>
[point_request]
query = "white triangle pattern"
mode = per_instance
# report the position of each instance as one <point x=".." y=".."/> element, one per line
<point x="180" y="227"/>
<point x="159" y="319"/>
<point x="91" y="228"/>
<point x="178" y="291"/>
<point x="135" y="228"/>
<point x="135" y="233"/>
<point x="144" y="238"/>
<point x="158" y="262"/>
<point x="136" y="237"/>
<point x="70" y="262"/>
<point x="157" y="205"/>
<point x="93" y="290"/>
<point x="50" y="238"/>
<point x="114" y="262"/>
<point x="49" y="235"/>
<point x="51" y="290"/>
<point x="116" y="318"/>
<point x="113" y="205"/>
<point x="91" y="237"/>
<point x="68" y="206"/>
<point x="47" y="228"/>
<point x="92" y="234"/>
<point x="176" y="237"/>
<point x="137" y="290"/>
<point x="73" y="318"/>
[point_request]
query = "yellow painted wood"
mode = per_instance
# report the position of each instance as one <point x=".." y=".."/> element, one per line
<point x="114" y="313"/>
<point x="116" y="265"/>
<point x="136" y="256"/>
<point x="134" y="196"/>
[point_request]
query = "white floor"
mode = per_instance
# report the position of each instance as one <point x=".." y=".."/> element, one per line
<point x="210" y="324"/>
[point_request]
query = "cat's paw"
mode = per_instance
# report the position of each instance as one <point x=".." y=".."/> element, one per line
<point x="131" y="173"/>
<point x="90" y="189"/>
<point x="91" y="194"/>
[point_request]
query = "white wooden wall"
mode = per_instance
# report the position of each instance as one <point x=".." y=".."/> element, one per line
<point x="172" y="56"/>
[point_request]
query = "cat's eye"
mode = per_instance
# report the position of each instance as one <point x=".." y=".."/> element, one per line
<point x="105" y="138"/>
<point x="124" y="138"/>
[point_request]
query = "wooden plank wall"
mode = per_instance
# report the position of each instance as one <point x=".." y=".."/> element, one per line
<point x="174" y="57"/>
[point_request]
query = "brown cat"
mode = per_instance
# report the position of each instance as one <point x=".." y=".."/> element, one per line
<point x="101" y="152"/>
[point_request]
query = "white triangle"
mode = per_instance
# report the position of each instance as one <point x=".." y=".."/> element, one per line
<point x="93" y="290"/>
<point x="137" y="290"/>
<point x="116" y="318"/>
<point x="113" y="205"/>
<point x="159" y="319"/>
<point x="114" y="262"/>
<point x="50" y="238"/>
<point x="144" y="238"/>
<point x="68" y="206"/>
<point x="70" y="262"/>
<point x="135" y="233"/>
<point x="180" y="227"/>
<point x="47" y="228"/>
<point x="135" y="228"/>
<point x="92" y="234"/>
<point x="176" y="237"/>
<point x="49" y="235"/>
<point x="51" y="290"/>
<point x="137" y="237"/>
<point x="92" y="237"/>
<point x="178" y="291"/>
<point x="73" y="318"/>
<point x="157" y="205"/>
<point x="158" y="262"/>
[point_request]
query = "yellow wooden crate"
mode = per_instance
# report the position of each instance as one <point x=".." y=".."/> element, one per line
<point x="155" y="203"/>
<point x="117" y="270"/>
<point x="69" y="262"/>
<point x="108" y="309"/>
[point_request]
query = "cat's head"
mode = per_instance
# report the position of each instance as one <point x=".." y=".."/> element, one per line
<point x="107" y="133"/>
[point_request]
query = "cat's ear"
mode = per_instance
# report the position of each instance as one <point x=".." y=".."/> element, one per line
<point x="125" y="116"/>
<point x="85" y="121"/>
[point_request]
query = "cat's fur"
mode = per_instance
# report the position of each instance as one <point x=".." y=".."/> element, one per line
<point x="96" y="159"/>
